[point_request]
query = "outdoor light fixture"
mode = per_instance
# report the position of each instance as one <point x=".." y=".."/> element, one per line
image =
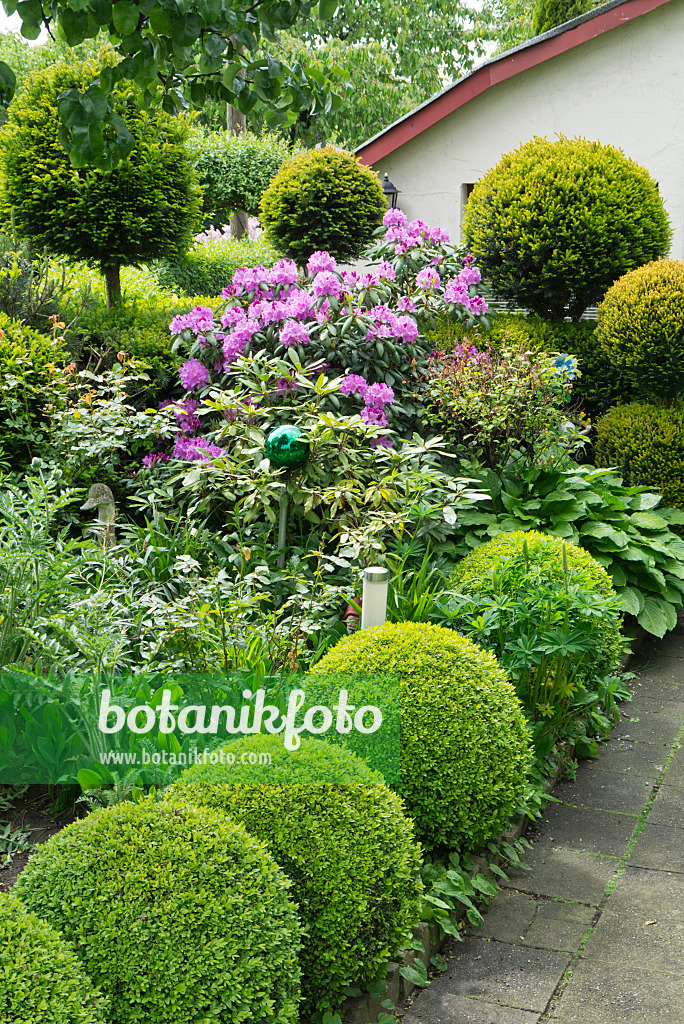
<point x="391" y="192"/>
<point x="374" y="602"/>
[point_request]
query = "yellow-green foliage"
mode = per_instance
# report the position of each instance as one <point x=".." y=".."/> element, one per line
<point x="41" y="979"/>
<point x="322" y="199"/>
<point x="176" y="912"/>
<point x="646" y="443"/>
<point x="641" y="327"/>
<point x="465" y="751"/>
<point x="538" y="557"/>
<point x="147" y="207"/>
<point x="553" y="224"/>
<point x="347" y="847"/>
<point x="30" y="388"/>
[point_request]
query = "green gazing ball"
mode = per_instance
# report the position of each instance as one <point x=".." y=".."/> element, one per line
<point x="284" y="448"/>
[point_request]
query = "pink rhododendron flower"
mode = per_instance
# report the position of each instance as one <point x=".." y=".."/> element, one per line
<point x="394" y="218"/>
<point x="427" y="279"/>
<point x="193" y="374"/>
<point x="319" y="261"/>
<point x="327" y="283"/>
<point x="293" y="333"/>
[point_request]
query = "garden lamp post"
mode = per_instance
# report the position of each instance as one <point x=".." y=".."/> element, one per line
<point x="391" y="192"/>
<point x="374" y="602"/>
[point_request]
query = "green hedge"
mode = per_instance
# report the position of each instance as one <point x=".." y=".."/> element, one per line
<point x="348" y="849"/>
<point x="465" y="751"/>
<point x="176" y="913"/>
<point x="646" y="444"/>
<point x="209" y="266"/>
<point x="235" y="170"/>
<point x="41" y="979"/>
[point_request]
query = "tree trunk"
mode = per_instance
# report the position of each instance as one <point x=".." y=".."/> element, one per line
<point x="112" y="276"/>
<point x="236" y="123"/>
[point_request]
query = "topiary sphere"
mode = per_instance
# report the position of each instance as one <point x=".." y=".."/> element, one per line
<point x="347" y="847"/>
<point x="476" y="575"/>
<point x="646" y="443"/>
<point x="641" y="327"/>
<point x="324" y="199"/>
<point x="465" y="747"/>
<point x="553" y="224"/>
<point x="41" y="979"/>
<point x="176" y="913"/>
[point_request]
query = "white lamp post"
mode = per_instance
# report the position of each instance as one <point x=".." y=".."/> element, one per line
<point x="374" y="602"/>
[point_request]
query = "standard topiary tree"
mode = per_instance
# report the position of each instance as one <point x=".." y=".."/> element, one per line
<point x="641" y="327"/>
<point x="147" y="207"/>
<point x="465" y="748"/>
<point x="342" y="838"/>
<point x="41" y="979"/>
<point x="324" y="199"/>
<point x="553" y="224"/>
<point x="176" y="913"/>
<point x="646" y="443"/>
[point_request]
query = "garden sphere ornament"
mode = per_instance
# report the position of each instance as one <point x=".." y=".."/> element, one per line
<point x="285" y="449"/>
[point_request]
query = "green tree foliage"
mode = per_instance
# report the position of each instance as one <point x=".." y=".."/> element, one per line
<point x="189" y="51"/>
<point x="553" y="224"/>
<point x="509" y="23"/>
<point x="550" y="13"/>
<point x="147" y="207"/>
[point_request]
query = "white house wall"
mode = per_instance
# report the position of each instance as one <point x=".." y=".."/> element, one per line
<point x="625" y="88"/>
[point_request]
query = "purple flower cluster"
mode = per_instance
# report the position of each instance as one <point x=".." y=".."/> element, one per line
<point x="194" y="448"/>
<point x="458" y="290"/>
<point x="193" y="374"/>
<point x="375" y="398"/>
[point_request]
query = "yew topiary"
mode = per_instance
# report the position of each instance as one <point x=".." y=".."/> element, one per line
<point x="341" y="836"/>
<point x="41" y="979"/>
<point x="641" y="327"/>
<point x="465" y="749"/>
<point x="175" y="912"/>
<point x="146" y="208"/>
<point x="553" y="224"/>
<point x="324" y="199"/>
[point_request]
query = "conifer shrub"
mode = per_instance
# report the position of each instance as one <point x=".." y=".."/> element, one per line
<point x="550" y="13"/>
<point x="323" y="199"/>
<point x="554" y="224"/>
<point x="176" y="913"/>
<point x="41" y="979"/>
<point x="343" y="839"/>
<point x="646" y="444"/>
<point x="641" y="327"/>
<point x="465" y="750"/>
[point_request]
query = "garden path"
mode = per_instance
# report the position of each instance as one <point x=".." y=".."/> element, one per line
<point x="594" y="932"/>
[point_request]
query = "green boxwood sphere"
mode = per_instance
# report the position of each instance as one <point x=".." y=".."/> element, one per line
<point x="475" y="575"/>
<point x="176" y="913"/>
<point x="347" y="847"/>
<point x="640" y="326"/>
<point x="41" y="979"/>
<point x="465" y="747"/>
<point x="324" y="199"/>
<point x="553" y="224"/>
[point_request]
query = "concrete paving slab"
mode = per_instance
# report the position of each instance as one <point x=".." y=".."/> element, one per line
<point x="659" y="665"/>
<point x="565" y="874"/>
<point x="629" y="757"/>
<point x="638" y="940"/>
<point x="665" y="690"/>
<point x="648" y="894"/>
<point x="576" y="828"/>
<point x="656" y="724"/>
<point x="620" y="994"/>
<point x="606" y="791"/>
<point x="660" y="847"/>
<point x="450" y="1009"/>
<point x="513" y="976"/>
<point x="508" y="917"/>
<point x="560" y="926"/>
<point x="675" y="768"/>
<point x="668" y="806"/>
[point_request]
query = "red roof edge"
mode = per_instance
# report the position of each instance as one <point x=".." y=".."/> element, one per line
<point x="498" y="70"/>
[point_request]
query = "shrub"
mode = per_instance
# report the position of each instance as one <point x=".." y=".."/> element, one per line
<point x="585" y="216"/>
<point x="641" y="327"/>
<point x="646" y="443"/>
<point x="31" y="389"/>
<point x="146" y="207"/>
<point x="549" y="13"/>
<point x="235" y="170"/>
<point x="209" y="266"/>
<point x="549" y="612"/>
<point x="176" y="913"/>
<point x="324" y="199"/>
<point x="348" y="849"/>
<point x="464" y="744"/>
<point x="40" y="977"/>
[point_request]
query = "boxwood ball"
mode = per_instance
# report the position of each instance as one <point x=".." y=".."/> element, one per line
<point x="285" y="449"/>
